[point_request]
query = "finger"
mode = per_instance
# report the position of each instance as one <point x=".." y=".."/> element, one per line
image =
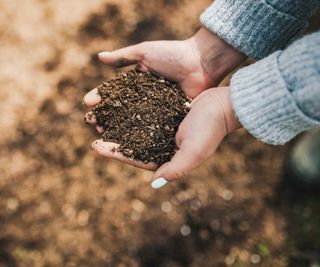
<point x="90" y="118"/>
<point x="92" y="98"/>
<point x="109" y="149"/>
<point x="100" y="129"/>
<point x="185" y="159"/>
<point x="122" y="57"/>
<point x="142" y="68"/>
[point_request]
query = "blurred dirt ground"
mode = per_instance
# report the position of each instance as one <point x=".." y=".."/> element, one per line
<point x="61" y="205"/>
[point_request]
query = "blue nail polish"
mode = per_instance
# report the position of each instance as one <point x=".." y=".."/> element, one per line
<point x="158" y="183"/>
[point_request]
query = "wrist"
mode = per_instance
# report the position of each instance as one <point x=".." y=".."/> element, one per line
<point x="223" y="96"/>
<point x="217" y="57"/>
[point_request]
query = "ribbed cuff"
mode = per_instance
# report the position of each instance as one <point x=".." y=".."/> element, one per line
<point x="254" y="27"/>
<point x="299" y="65"/>
<point x="263" y="104"/>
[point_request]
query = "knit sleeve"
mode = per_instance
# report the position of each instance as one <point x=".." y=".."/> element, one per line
<point x="258" y="27"/>
<point x="278" y="97"/>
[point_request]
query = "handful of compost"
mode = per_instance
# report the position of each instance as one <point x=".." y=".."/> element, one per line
<point x="141" y="112"/>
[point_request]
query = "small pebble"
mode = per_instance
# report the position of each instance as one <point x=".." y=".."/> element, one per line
<point x="227" y="195"/>
<point x="229" y="260"/>
<point x="12" y="204"/>
<point x="244" y="255"/>
<point x="166" y="206"/>
<point x="255" y="258"/>
<point x="195" y="204"/>
<point x="187" y="104"/>
<point x="68" y="211"/>
<point x="244" y="226"/>
<point x="138" y="205"/>
<point x="185" y="230"/>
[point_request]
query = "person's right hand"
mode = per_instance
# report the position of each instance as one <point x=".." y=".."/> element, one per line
<point x="197" y="63"/>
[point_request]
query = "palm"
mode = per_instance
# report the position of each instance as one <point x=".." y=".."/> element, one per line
<point x="203" y="142"/>
<point x="178" y="61"/>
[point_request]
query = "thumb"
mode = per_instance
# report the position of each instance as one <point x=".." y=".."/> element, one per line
<point x="123" y="57"/>
<point x="186" y="158"/>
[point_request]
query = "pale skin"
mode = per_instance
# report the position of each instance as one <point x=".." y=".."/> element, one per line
<point x="196" y="64"/>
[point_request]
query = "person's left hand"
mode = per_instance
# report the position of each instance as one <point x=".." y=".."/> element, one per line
<point x="210" y="119"/>
<point x="196" y="64"/>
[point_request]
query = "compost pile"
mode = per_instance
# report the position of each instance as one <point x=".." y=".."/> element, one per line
<point x="142" y="113"/>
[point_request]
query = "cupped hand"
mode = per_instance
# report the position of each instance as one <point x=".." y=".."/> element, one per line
<point x="197" y="63"/>
<point x="210" y="119"/>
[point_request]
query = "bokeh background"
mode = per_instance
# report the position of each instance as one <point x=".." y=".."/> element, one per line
<point x="61" y="205"/>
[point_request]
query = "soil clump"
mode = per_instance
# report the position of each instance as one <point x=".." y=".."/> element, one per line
<point x="142" y="113"/>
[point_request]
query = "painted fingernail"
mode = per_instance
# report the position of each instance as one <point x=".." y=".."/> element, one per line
<point x="158" y="183"/>
<point x="104" y="53"/>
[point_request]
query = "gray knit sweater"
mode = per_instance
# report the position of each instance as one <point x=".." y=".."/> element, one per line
<point x="279" y="96"/>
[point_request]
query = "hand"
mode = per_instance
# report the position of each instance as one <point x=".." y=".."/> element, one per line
<point x="197" y="63"/>
<point x="210" y="119"/>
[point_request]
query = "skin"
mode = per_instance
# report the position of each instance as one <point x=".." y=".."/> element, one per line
<point x="196" y="64"/>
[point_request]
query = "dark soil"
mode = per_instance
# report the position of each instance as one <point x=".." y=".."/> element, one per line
<point x="61" y="205"/>
<point x="142" y="113"/>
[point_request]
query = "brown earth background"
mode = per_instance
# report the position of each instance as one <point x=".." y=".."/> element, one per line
<point x="61" y="205"/>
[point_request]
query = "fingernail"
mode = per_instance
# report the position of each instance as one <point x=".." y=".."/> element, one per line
<point x="104" y="53"/>
<point x="158" y="183"/>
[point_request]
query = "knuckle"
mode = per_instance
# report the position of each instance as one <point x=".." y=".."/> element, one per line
<point x="177" y="174"/>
